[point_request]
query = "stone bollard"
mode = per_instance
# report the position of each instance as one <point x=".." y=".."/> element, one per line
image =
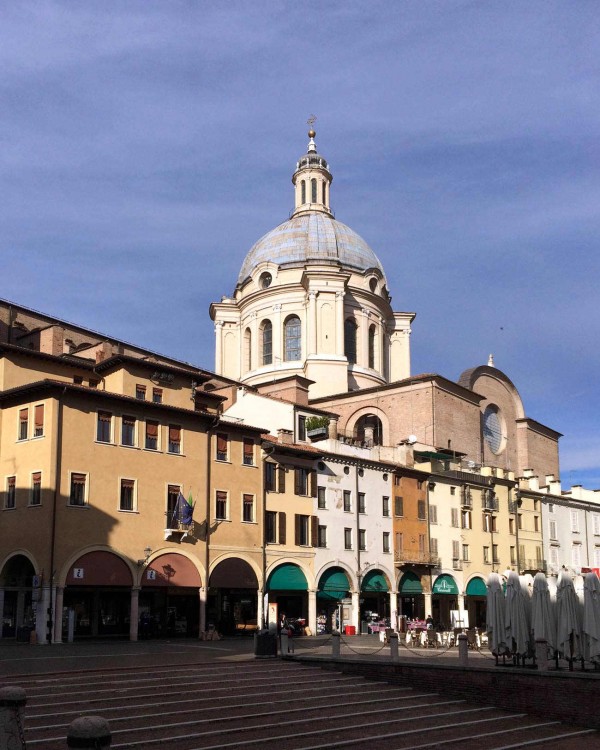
<point x="393" y="638"/>
<point x="463" y="650"/>
<point x="335" y="645"/>
<point x="541" y="654"/>
<point x="284" y="643"/>
<point x="11" y="727"/>
<point x="89" y="733"/>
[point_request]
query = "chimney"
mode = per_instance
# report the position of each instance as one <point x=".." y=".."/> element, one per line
<point x="285" y="437"/>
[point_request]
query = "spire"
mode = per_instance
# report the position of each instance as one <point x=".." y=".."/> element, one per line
<point x="312" y="179"/>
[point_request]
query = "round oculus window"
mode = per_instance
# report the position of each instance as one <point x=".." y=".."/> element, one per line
<point x="265" y="280"/>
<point x="492" y="429"/>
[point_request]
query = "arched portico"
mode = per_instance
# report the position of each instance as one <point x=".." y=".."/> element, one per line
<point x="18" y="596"/>
<point x="233" y="606"/>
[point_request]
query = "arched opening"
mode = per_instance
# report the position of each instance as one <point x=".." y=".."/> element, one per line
<point x="323" y="201"/>
<point x="333" y="588"/>
<point x="232" y="601"/>
<point x="292" y="335"/>
<point x="350" y="328"/>
<point x="303" y="190"/>
<point x="18" y="613"/>
<point x="369" y="430"/>
<point x="412" y="601"/>
<point x="287" y="587"/>
<point x="247" y="350"/>
<point x="374" y="598"/>
<point x="266" y="340"/>
<point x="372" y="336"/>
<point x="313" y="187"/>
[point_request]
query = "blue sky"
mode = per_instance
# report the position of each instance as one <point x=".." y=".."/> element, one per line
<point x="145" y="146"/>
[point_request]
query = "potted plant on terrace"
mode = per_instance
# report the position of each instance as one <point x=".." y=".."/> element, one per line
<point x="317" y="427"/>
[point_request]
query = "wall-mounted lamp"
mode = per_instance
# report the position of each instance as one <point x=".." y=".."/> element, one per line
<point x="147" y="553"/>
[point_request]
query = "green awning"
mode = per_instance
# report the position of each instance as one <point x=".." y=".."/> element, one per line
<point x="287" y="577"/>
<point x="445" y="584"/>
<point x="410" y="584"/>
<point x="476" y="587"/>
<point x="333" y="585"/>
<point x="375" y="582"/>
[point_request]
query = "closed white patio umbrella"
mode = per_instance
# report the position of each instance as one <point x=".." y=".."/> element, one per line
<point x="569" y="617"/>
<point x="543" y="612"/>
<point x="591" y="618"/>
<point x="518" y="625"/>
<point x="495" y="624"/>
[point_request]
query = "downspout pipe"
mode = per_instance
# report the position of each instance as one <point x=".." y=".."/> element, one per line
<point x="57" y="486"/>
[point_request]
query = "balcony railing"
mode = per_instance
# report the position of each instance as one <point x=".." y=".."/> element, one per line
<point x="457" y="564"/>
<point x="491" y="505"/>
<point x="416" y="558"/>
<point x="534" y="565"/>
<point x="466" y="501"/>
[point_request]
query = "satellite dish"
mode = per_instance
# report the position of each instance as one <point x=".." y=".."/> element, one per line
<point x="412" y="439"/>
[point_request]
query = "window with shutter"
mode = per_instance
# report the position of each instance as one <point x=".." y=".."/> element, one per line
<point x="553" y="530"/>
<point x="314" y="531"/>
<point x="36" y="488"/>
<point x="433" y="546"/>
<point x="575" y="521"/>
<point x="174" y="438"/>
<point x="151" y="436"/>
<point x="398" y="506"/>
<point x="399" y="541"/>
<point x="11" y="491"/>
<point x="270" y="527"/>
<point x="282" y="528"/>
<point x="38" y="421"/>
<point x="422" y="515"/>
<point x="455" y="550"/>
<point x="454" y="517"/>
<point x="222" y="447"/>
<point x="128" y="431"/>
<point x="103" y="427"/>
<point x="270" y="476"/>
<point x="78" y="486"/>
<point x="281" y="478"/>
<point x="23" y="424"/>
<point x="433" y="514"/>
<point x="248" y="452"/>
<point x="596" y="523"/>
<point x="313" y="483"/>
<point x="126" y="499"/>
<point x="421" y="544"/>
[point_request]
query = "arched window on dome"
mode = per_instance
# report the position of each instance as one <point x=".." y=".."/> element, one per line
<point x="292" y="335"/>
<point x="372" y="336"/>
<point x="303" y="187"/>
<point x="323" y="201"/>
<point x="266" y="341"/>
<point x="247" y="350"/>
<point x="350" y="340"/>
<point x="313" y="187"/>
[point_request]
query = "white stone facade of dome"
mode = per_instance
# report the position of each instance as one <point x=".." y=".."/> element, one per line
<point x="312" y="300"/>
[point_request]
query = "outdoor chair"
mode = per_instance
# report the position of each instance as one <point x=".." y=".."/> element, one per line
<point x="431" y="638"/>
<point x="472" y="638"/>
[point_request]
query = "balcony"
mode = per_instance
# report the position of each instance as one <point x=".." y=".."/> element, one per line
<point x="490" y="505"/>
<point x="175" y="529"/>
<point x="466" y="501"/>
<point x="533" y="566"/>
<point x="402" y="557"/>
<point x="457" y="564"/>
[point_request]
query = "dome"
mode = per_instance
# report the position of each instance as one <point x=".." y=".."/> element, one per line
<point x="315" y="237"/>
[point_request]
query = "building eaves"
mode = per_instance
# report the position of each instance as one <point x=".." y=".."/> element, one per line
<point x="70" y="359"/>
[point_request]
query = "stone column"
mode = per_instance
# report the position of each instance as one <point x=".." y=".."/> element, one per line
<point x="219" y="347"/>
<point x="362" y="353"/>
<point x="41" y="627"/>
<point x="339" y="323"/>
<point x="202" y="592"/>
<point x="356" y="610"/>
<point x="393" y="609"/>
<point x="57" y="622"/>
<point x="278" y="343"/>
<point x="260" y="609"/>
<point x="427" y="601"/>
<point x="312" y="611"/>
<point x="134" y="613"/>
<point x="311" y="340"/>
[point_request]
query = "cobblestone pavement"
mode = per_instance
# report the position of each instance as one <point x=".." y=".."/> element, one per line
<point x="194" y="695"/>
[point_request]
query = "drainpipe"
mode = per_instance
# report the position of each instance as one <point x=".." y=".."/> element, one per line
<point x="518" y="504"/>
<point x="58" y="470"/>
<point x="211" y="427"/>
<point x="358" y="557"/>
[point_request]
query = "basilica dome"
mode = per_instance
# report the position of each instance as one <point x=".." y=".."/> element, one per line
<point x="311" y="237"/>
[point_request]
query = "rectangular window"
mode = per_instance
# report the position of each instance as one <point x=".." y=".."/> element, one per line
<point x="23" y="424"/>
<point x="486" y="554"/>
<point x="362" y="540"/>
<point x="78" y="488"/>
<point x="553" y="534"/>
<point x="520" y="521"/>
<point x="399" y="542"/>
<point x="36" y="488"/>
<point x="536" y="523"/>
<point x="322" y="536"/>
<point x="553" y="556"/>
<point x="128" y="431"/>
<point x="465" y="519"/>
<point x="301" y="480"/>
<point x="513" y="555"/>
<point x="362" y="507"/>
<point x="270" y="476"/>
<point x="576" y="555"/>
<point x="221" y="506"/>
<point x="433" y="546"/>
<point x="495" y="558"/>
<point x="386" y="541"/>
<point x="347" y="538"/>
<point x="433" y="514"/>
<point x="575" y="521"/>
<point x="103" y="427"/>
<point x="282" y="528"/>
<point x="453" y="490"/>
<point x="157" y="395"/>
<point x="11" y="490"/>
<point x="422" y="544"/>
<point x="511" y="525"/>
<point x="550" y="507"/>
<point x="421" y="512"/>
<point x="302" y="531"/>
<point x="173" y="491"/>
<point x="248" y="508"/>
<point x="398" y="506"/>
<point x="596" y="523"/>
<point x="465" y="552"/>
<point x="126" y="500"/>
<point x="38" y="421"/>
<point x="396" y="480"/>
<point x="420" y="484"/>
<point x="271" y="527"/>
<point x="152" y="435"/>
<point x="222" y="447"/>
<point x="321" y="498"/>
<point x="385" y="506"/>
<point x="93" y="383"/>
<point x="174" y="438"/>
<point x="455" y="550"/>
<point x="248" y="445"/>
<point x="597" y="557"/>
<point x="140" y="392"/>
<point x="301" y="427"/>
<point x="454" y="517"/>
<point x="347" y="501"/>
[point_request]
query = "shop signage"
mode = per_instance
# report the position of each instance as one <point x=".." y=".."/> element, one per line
<point x="77" y="572"/>
<point x="151" y="574"/>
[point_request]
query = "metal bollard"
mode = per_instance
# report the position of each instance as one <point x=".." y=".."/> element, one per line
<point x="284" y="643"/>
<point x="393" y="638"/>
<point x="12" y="736"/>
<point x="541" y="654"/>
<point x="463" y="650"/>
<point x="335" y="645"/>
<point x="89" y="733"/>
